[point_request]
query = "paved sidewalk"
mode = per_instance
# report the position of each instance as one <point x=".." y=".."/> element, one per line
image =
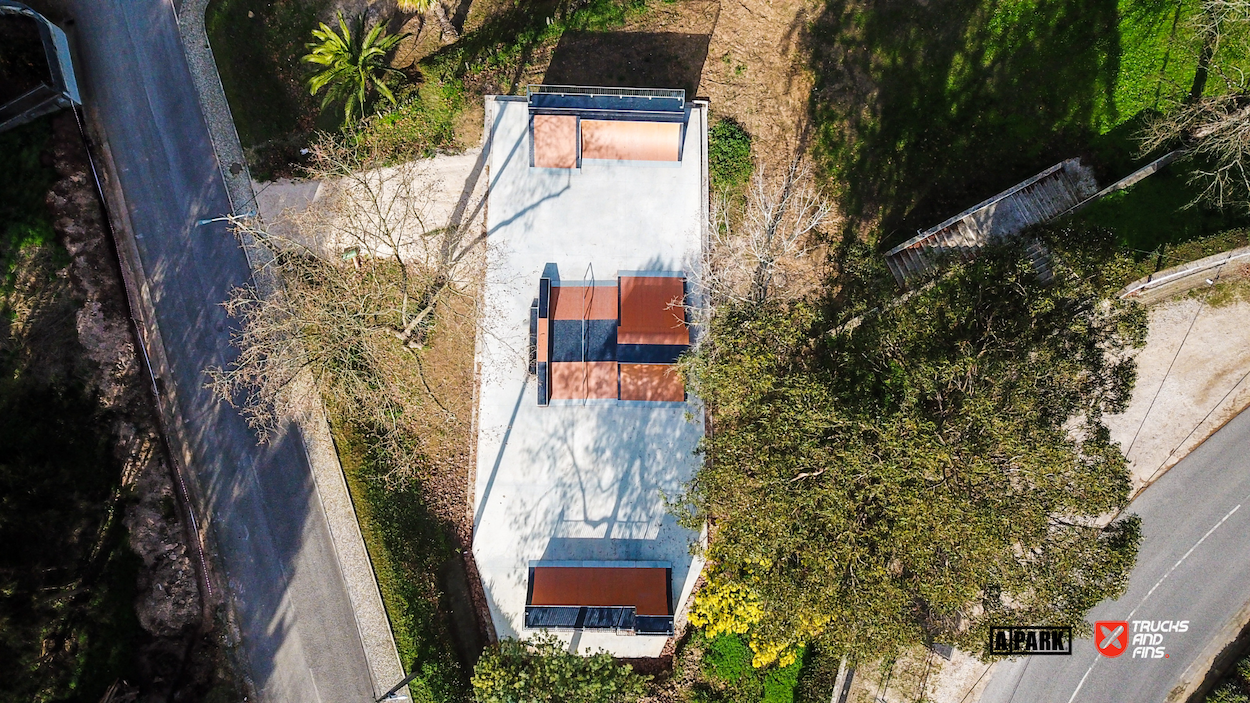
<point x="375" y="630"/>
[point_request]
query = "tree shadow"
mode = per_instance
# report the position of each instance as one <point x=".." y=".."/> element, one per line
<point x="629" y="59"/>
<point x="924" y="108"/>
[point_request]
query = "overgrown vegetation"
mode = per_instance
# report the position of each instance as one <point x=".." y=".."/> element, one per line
<point x="1097" y="255"/>
<point x="873" y="486"/>
<point x="541" y="670"/>
<point x="1236" y="685"/>
<point x="408" y="546"/>
<point x="67" y="578"/>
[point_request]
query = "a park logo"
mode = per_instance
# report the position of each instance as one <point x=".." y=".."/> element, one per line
<point x="1111" y="637"/>
<point x="1015" y="641"/>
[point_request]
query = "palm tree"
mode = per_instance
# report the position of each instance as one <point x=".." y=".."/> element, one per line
<point x="440" y="13"/>
<point x="354" y="65"/>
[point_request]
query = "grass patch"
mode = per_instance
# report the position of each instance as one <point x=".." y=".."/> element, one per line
<point x="422" y="123"/>
<point x="729" y="677"/>
<point x="1156" y="213"/>
<point x="24" y="219"/>
<point x="258" y="45"/>
<point x="66" y="594"/>
<point x="495" y="56"/>
<point x="67" y="623"/>
<point x="1225" y="293"/>
<point x="925" y="109"/>
<point x="408" y="548"/>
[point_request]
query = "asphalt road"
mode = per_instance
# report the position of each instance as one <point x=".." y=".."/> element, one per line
<point x="299" y="632"/>
<point x="1194" y="565"/>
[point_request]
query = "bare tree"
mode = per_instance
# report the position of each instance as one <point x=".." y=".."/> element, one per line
<point x="756" y="248"/>
<point x="1216" y="17"/>
<point x="1215" y="130"/>
<point x="360" y="279"/>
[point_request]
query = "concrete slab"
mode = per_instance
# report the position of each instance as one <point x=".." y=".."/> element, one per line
<point x="578" y="481"/>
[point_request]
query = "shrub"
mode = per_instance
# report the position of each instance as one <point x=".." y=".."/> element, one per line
<point x="728" y="155"/>
<point x="780" y="682"/>
<point x="1228" y="693"/>
<point x="539" y="670"/>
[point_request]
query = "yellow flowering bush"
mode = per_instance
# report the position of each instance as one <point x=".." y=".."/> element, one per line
<point x="729" y="607"/>
<point x="725" y="607"/>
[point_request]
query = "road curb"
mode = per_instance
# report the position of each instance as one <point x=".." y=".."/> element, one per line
<point x="1172" y="280"/>
<point x="372" y="622"/>
<point x="1195" y="678"/>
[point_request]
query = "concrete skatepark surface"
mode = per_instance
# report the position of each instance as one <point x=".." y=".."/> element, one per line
<point x="583" y="481"/>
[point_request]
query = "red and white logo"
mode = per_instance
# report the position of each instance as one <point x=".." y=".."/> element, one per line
<point x="1111" y="637"/>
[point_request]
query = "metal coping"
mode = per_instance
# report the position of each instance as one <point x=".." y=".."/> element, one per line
<point x="592" y="564"/>
<point x="532" y="90"/>
<point x="654" y="104"/>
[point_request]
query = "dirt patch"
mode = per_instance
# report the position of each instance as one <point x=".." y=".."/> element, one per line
<point x="756" y="73"/>
<point x="178" y="659"/>
<point x="1193" y="376"/>
<point x="638" y="59"/>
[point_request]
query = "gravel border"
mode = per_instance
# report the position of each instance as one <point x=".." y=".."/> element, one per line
<point x="362" y="586"/>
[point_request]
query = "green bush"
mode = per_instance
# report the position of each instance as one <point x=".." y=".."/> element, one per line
<point x="540" y="670"/>
<point x="819" y="675"/>
<point x="1228" y="693"/>
<point x="728" y="155"/>
<point x="780" y="682"/>
<point x="1233" y="686"/>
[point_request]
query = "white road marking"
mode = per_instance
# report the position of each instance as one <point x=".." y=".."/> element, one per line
<point x="1178" y="562"/>
<point x="1082" y="682"/>
<point x="1152" y="590"/>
